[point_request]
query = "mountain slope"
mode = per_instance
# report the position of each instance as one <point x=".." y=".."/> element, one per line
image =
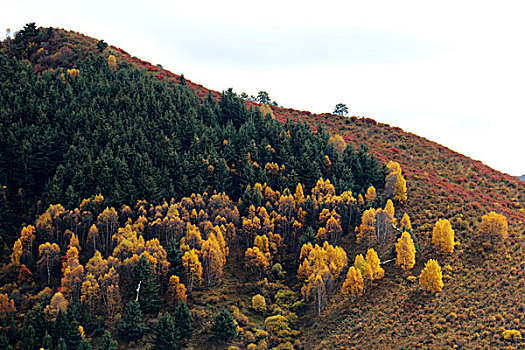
<point x="483" y="292"/>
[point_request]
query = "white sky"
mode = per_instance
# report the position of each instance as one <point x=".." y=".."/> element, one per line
<point x="451" y="71"/>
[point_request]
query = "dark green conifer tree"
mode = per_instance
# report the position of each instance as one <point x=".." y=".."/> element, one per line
<point x="132" y="326"/>
<point x="165" y="333"/>
<point x="149" y="288"/>
<point x="107" y="342"/>
<point x="224" y="326"/>
<point x="61" y="345"/>
<point x="182" y="319"/>
<point x="47" y="342"/>
<point x="28" y="337"/>
<point x="174" y="257"/>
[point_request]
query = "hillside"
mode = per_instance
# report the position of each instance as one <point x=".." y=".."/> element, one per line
<point x="191" y="170"/>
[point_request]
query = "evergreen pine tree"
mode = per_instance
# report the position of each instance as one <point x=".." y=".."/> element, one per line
<point x="132" y="327"/>
<point x="165" y="333"/>
<point x="107" y="342"/>
<point x="149" y="288"/>
<point x="4" y="343"/>
<point x="174" y="257"/>
<point x="182" y="319"/>
<point x="61" y="345"/>
<point x="224" y="326"/>
<point x="47" y="342"/>
<point x="28" y="337"/>
<point x="84" y="345"/>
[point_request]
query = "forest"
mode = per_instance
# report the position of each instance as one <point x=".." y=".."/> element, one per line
<point x="138" y="212"/>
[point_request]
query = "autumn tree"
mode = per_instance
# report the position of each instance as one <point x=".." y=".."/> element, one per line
<point x="405" y="222"/>
<point x="353" y="285"/>
<point x="112" y="62"/>
<point x="258" y="303"/>
<point x="338" y="143"/>
<point x="176" y="291"/>
<point x="373" y="260"/>
<point x="109" y="292"/>
<point x="257" y="261"/>
<point x="213" y="259"/>
<point x="57" y="304"/>
<point x="400" y="189"/>
<point x="7" y="307"/>
<point x="443" y="236"/>
<point x="193" y="267"/>
<point x="494" y="227"/>
<point x="73" y="275"/>
<point x="90" y="294"/>
<point x="364" y="267"/>
<point x="431" y="278"/>
<point x="49" y="255"/>
<point x="405" y="251"/>
<point x="367" y="230"/>
<point x="370" y="195"/>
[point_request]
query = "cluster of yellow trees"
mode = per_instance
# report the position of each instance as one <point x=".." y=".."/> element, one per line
<point x="206" y="227"/>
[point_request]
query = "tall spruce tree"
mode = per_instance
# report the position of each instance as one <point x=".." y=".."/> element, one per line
<point x="224" y="326"/>
<point x="182" y="319"/>
<point x="148" y="294"/>
<point x="132" y="326"/>
<point x="107" y="342"/>
<point x="165" y="333"/>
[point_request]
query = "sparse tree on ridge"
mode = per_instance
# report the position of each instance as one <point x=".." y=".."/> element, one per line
<point x="263" y="97"/>
<point x="341" y="109"/>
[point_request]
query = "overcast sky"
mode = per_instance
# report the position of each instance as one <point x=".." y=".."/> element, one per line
<point x="451" y="71"/>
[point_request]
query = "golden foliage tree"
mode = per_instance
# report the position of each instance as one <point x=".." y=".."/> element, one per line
<point x="93" y="236"/>
<point x="7" y="307"/>
<point x="364" y="267"/>
<point x="370" y="195"/>
<point x="431" y="278"/>
<point x="443" y="236"/>
<point x="353" y="285"/>
<point x="257" y="261"/>
<point x="58" y="303"/>
<point x="49" y="254"/>
<point x="373" y="260"/>
<point x="109" y="292"/>
<point x="176" y="291"/>
<point x="338" y="143"/>
<point x="90" y="294"/>
<point x="400" y="189"/>
<point x="393" y="167"/>
<point x="193" y="266"/>
<point x="213" y="259"/>
<point x="17" y="253"/>
<point x="73" y="275"/>
<point x="112" y="62"/>
<point x="405" y="222"/>
<point x="367" y="230"/>
<point x="494" y="227"/>
<point x="405" y="251"/>
<point x="97" y="266"/>
<point x="259" y="303"/>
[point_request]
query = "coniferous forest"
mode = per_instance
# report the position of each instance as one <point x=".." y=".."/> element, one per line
<point x="138" y="212"/>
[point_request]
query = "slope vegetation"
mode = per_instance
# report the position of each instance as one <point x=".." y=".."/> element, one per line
<point x="484" y="284"/>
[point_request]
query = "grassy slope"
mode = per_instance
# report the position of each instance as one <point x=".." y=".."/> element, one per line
<point x="484" y="292"/>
